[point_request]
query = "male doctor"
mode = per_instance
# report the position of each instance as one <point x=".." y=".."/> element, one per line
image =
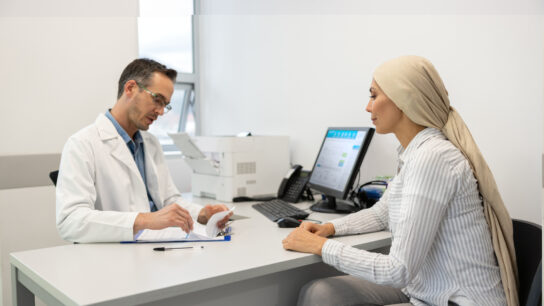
<point x="113" y="180"/>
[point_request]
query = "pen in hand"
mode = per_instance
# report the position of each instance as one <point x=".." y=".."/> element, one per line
<point x="166" y="249"/>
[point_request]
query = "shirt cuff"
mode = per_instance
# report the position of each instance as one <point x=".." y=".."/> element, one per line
<point x="331" y="251"/>
<point x="128" y="234"/>
<point x="340" y="226"/>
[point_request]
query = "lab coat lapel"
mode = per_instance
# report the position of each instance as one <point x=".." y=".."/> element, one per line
<point x="118" y="148"/>
<point x="151" y="170"/>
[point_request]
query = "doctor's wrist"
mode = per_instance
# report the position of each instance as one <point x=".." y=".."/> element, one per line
<point x="140" y="222"/>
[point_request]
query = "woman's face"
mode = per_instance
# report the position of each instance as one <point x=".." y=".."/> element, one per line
<point x="385" y="115"/>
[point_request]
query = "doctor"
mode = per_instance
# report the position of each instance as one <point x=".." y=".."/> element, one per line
<point x="113" y="180"/>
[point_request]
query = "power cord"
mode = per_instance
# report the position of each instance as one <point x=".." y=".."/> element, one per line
<point x="352" y="195"/>
<point x="313" y="220"/>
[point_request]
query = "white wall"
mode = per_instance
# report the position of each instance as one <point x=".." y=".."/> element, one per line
<point x="60" y="64"/>
<point x="347" y="7"/>
<point x="58" y="75"/>
<point x="295" y="74"/>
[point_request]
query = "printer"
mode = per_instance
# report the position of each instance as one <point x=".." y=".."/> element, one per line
<point x="226" y="167"/>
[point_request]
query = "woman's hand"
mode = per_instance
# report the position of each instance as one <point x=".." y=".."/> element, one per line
<point x="323" y="230"/>
<point x="302" y="240"/>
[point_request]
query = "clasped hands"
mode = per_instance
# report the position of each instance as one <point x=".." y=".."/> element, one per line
<point x="174" y="215"/>
<point x="308" y="237"/>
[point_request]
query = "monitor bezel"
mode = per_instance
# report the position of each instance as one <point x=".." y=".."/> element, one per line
<point x="362" y="152"/>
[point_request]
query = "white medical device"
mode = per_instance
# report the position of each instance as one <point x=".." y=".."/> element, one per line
<point x="227" y="167"/>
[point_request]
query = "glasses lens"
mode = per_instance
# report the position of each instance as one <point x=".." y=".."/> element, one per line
<point x="160" y="102"/>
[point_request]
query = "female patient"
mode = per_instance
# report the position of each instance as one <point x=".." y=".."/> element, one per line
<point x="451" y="234"/>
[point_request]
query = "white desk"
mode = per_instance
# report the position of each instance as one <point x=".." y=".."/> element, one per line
<point x="252" y="269"/>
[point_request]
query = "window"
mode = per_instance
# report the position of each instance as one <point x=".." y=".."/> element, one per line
<point x="166" y="33"/>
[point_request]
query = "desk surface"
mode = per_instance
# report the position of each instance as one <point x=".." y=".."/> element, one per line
<point x="112" y="273"/>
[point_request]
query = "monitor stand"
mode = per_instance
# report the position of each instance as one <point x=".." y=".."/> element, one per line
<point x="333" y="206"/>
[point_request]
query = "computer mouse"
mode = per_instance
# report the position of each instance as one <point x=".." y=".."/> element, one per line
<point x="288" y="222"/>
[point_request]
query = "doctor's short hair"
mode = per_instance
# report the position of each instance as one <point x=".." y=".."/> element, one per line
<point x="141" y="70"/>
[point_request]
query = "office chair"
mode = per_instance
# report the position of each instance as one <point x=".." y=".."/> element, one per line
<point x="53" y="176"/>
<point x="528" y="244"/>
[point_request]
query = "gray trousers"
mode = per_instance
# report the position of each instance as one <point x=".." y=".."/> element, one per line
<point x="348" y="290"/>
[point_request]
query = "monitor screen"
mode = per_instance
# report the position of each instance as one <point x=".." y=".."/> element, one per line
<point x="338" y="161"/>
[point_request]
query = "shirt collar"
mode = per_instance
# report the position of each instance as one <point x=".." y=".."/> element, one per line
<point x="416" y="142"/>
<point x="126" y="138"/>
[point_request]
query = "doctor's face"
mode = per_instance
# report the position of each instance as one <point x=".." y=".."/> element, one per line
<point x="385" y="115"/>
<point x="144" y="109"/>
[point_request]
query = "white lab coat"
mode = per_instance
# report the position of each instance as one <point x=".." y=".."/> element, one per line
<point x="100" y="190"/>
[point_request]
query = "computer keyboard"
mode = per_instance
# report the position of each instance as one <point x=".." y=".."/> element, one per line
<point x="276" y="209"/>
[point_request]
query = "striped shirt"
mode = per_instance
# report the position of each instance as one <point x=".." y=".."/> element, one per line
<point x="441" y="245"/>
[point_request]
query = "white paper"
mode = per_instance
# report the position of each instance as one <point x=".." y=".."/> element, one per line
<point x="186" y="145"/>
<point x="212" y="230"/>
<point x="176" y="234"/>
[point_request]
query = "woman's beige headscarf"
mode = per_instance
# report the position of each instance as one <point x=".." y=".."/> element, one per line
<point x="414" y="85"/>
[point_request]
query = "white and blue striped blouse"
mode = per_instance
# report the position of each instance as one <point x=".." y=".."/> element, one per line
<point x="441" y="245"/>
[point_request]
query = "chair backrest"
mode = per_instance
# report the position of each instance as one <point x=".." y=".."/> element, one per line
<point x="535" y="293"/>
<point x="53" y="176"/>
<point x="528" y="244"/>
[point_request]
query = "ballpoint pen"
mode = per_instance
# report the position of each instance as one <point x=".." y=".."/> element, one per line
<point x="166" y="249"/>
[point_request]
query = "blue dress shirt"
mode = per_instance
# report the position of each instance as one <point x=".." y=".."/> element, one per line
<point x="136" y="147"/>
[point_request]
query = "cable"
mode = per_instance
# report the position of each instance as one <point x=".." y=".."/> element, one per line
<point x="313" y="220"/>
<point x="353" y="191"/>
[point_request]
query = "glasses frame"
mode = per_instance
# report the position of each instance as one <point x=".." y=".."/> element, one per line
<point x="157" y="99"/>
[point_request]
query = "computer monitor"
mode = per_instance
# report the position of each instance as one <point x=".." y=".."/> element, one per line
<point x="337" y="165"/>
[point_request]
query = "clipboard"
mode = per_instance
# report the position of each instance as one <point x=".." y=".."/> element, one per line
<point x="175" y="234"/>
<point x="200" y="232"/>
<point x="225" y="238"/>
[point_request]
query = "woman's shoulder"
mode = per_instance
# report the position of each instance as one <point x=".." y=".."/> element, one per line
<point x="438" y="149"/>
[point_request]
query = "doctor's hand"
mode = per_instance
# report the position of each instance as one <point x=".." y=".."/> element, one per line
<point x="169" y="216"/>
<point x="302" y="240"/>
<point x="323" y="230"/>
<point x="207" y="212"/>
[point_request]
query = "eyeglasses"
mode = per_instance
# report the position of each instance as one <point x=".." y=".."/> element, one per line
<point x="158" y="99"/>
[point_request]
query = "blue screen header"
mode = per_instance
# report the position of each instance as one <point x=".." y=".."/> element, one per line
<point x="342" y="134"/>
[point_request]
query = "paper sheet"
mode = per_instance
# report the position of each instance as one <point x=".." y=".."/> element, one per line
<point x="186" y="145"/>
<point x="212" y="230"/>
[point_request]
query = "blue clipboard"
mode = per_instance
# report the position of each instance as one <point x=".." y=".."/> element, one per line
<point x="226" y="237"/>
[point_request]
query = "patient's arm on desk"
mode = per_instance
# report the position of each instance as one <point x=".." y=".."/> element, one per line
<point x="323" y="230"/>
<point x="368" y="220"/>
<point x="310" y="237"/>
<point x="302" y="240"/>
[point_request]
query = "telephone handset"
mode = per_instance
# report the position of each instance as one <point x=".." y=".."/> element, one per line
<point x="293" y="185"/>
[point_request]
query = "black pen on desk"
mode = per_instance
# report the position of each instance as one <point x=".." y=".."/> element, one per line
<point x="166" y="249"/>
